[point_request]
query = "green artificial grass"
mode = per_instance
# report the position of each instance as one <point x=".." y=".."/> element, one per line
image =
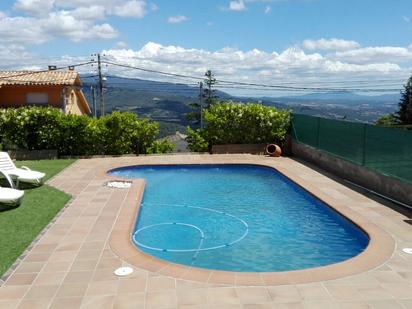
<point x="20" y="225"/>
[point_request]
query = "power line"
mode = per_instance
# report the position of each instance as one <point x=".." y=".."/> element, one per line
<point x="151" y="71"/>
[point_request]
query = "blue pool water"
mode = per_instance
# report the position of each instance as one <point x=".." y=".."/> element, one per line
<point x="237" y="218"/>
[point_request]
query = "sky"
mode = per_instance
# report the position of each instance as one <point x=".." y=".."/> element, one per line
<point x="328" y="43"/>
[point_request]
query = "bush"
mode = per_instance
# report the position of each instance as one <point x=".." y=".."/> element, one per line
<point x="161" y="147"/>
<point x="31" y="128"/>
<point x="236" y="123"/>
<point x="196" y="142"/>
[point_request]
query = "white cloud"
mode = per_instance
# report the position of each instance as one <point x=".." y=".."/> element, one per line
<point x="93" y="12"/>
<point x="76" y="20"/>
<point x="375" y="54"/>
<point x="34" y="7"/>
<point x="268" y="9"/>
<point x="134" y="8"/>
<point x="237" y="5"/>
<point x="329" y="44"/>
<point x="291" y="65"/>
<point x="176" y="19"/>
<point x="61" y="24"/>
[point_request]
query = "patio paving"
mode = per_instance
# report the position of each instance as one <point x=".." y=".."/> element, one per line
<point x="72" y="263"/>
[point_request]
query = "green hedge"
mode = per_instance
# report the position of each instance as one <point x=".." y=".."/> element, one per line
<point x="31" y="128"/>
<point x="237" y="123"/>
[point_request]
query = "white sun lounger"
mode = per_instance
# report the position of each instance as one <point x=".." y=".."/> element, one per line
<point x="23" y="174"/>
<point x="10" y="196"/>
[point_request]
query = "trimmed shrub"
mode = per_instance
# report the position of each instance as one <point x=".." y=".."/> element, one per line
<point x="32" y="128"/>
<point x="237" y="123"/>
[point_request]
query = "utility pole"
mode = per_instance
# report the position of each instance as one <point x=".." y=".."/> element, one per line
<point x="201" y="103"/>
<point x="94" y="101"/>
<point x="99" y="67"/>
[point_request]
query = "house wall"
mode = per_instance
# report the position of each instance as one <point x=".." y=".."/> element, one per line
<point x="74" y="105"/>
<point x="15" y="96"/>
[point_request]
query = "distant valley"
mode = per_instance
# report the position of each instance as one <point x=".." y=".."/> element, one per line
<point x="167" y="103"/>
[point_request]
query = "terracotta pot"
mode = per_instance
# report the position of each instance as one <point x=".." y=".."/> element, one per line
<point x="273" y="150"/>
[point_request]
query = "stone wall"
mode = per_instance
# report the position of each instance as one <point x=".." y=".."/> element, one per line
<point x="385" y="185"/>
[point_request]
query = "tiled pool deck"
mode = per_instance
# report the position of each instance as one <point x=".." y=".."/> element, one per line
<point x="72" y="264"/>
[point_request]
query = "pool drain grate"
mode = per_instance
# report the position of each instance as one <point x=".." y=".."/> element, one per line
<point x="407" y="250"/>
<point x="123" y="271"/>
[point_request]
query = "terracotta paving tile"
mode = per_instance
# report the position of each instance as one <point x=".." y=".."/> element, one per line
<point x="222" y="296"/>
<point x="34" y="304"/>
<point x="320" y="304"/>
<point x="13" y="292"/>
<point x="49" y="278"/>
<point x="166" y="299"/>
<point x="29" y="267"/>
<point x="41" y="291"/>
<point x="406" y="303"/>
<point x="313" y="291"/>
<point x="9" y="304"/>
<point x="353" y="305"/>
<point x="21" y="279"/>
<point x="72" y="290"/>
<point x="109" y="263"/>
<point x="222" y="278"/>
<point x="259" y="306"/>
<point x="191" y="297"/>
<point x="385" y="304"/>
<point x="101" y="302"/>
<point x="83" y="265"/>
<point x="129" y="301"/>
<point x="38" y="257"/>
<point x="132" y="285"/>
<point x="344" y="292"/>
<point x="375" y="294"/>
<point x="292" y="305"/>
<point x="284" y="294"/>
<point x="52" y="267"/>
<point x="78" y="277"/>
<point x="155" y="284"/>
<point x="66" y="303"/>
<point x="102" y="288"/>
<point x="253" y="295"/>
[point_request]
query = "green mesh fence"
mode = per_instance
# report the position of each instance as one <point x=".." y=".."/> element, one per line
<point x="385" y="150"/>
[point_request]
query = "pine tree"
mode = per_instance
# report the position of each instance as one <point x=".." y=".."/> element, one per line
<point x="208" y="98"/>
<point x="404" y="114"/>
<point x="209" y="92"/>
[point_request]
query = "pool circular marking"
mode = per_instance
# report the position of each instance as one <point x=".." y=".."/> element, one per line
<point x="202" y="235"/>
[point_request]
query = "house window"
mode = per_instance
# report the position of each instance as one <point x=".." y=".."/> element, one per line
<point x="41" y="98"/>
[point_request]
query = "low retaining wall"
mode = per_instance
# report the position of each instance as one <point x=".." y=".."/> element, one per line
<point x="258" y="149"/>
<point x="33" y="154"/>
<point x="388" y="186"/>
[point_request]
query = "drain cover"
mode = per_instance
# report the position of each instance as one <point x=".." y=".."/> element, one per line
<point x="123" y="271"/>
<point x="118" y="184"/>
<point x="407" y="250"/>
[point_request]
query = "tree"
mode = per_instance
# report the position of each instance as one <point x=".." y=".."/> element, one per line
<point x="208" y="92"/>
<point x="386" y="120"/>
<point x="207" y="98"/>
<point x="404" y="114"/>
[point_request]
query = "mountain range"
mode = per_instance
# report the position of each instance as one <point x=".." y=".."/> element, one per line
<point x="168" y="103"/>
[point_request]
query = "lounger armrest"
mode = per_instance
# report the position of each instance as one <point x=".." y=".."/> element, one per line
<point x="9" y="180"/>
<point x="25" y="168"/>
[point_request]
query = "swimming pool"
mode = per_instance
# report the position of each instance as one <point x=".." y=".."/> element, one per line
<point x="243" y="218"/>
